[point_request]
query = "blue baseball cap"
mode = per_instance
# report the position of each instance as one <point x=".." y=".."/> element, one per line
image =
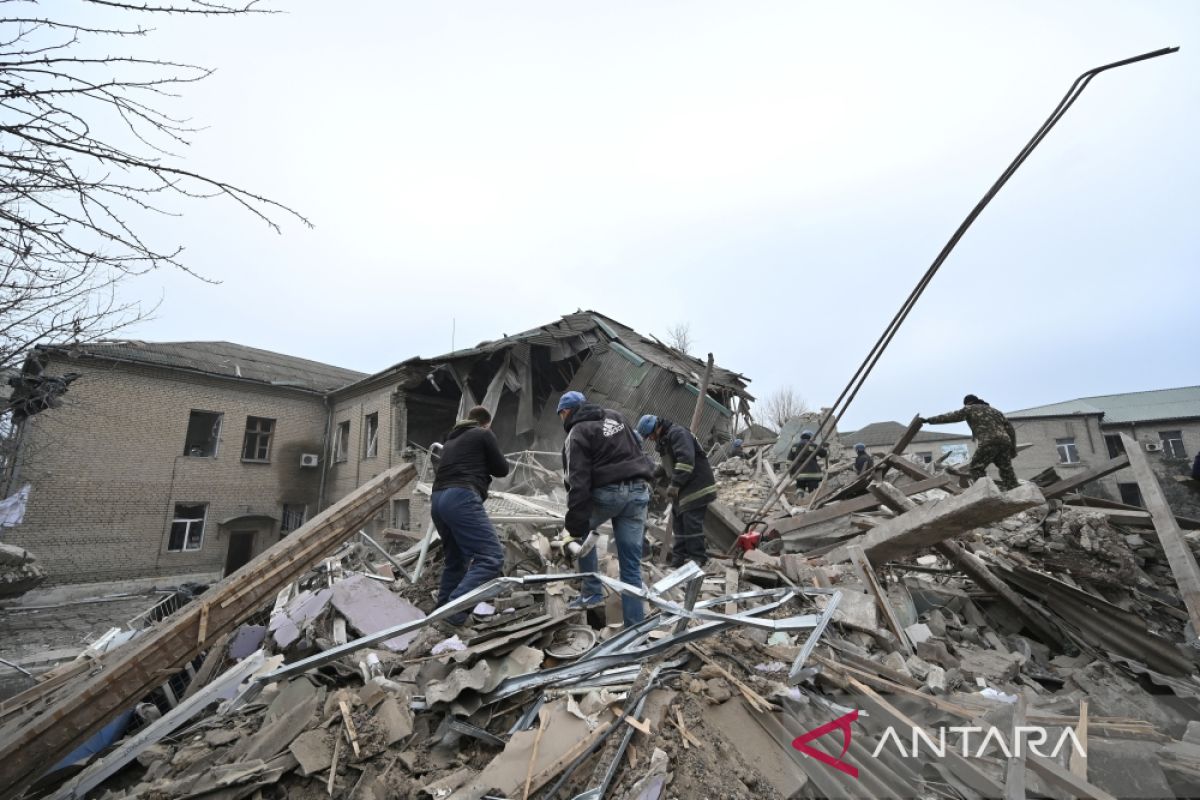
<point x="806" y="435"/>
<point x="571" y="400"/>
<point x="646" y="425"/>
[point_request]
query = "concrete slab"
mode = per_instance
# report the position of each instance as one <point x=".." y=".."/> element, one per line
<point x="313" y="749"/>
<point x="757" y="748"/>
<point x="369" y="606"/>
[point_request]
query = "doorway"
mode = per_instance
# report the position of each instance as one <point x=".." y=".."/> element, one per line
<point x="241" y="550"/>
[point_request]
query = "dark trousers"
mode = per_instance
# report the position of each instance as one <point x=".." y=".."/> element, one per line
<point x="687" y="528"/>
<point x="473" y="552"/>
<point x="808" y="484"/>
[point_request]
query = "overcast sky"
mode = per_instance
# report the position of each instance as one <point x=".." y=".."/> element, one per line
<point x="778" y="175"/>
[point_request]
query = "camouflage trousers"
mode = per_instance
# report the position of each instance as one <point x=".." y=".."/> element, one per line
<point x="998" y="453"/>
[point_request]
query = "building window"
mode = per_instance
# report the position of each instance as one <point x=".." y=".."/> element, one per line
<point x="925" y="457"/>
<point x="257" y="444"/>
<point x="187" y="528"/>
<point x="1172" y="442"/>
<point x="203" y="429"/>
<point x="1115" y="446"/>
<point x="1067" y="452"/>
<point x="1131" y="495"/>
<point x="371" y="436"/>
<point x="341" y="442"/>
<point x="955" y="454"/>
<point x="400" y="514"/>
<point x="293" y="517"/>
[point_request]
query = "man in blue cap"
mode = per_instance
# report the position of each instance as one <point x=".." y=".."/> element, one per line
<point x="863" y="460"/>
<point x="692" y="487"/>
<point x="607" y="477"/>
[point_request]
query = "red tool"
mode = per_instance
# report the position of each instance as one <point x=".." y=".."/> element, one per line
<point x="752" y="539"/>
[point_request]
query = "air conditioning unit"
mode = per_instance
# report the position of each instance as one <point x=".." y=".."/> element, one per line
<point x="309" y="459"/>
<point x="1153" y="447"/>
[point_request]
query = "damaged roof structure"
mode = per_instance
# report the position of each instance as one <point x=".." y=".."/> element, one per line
<point x="520" y="377"/>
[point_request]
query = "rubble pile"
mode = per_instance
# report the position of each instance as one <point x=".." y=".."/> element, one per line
<point x="956" y="612"/>
<point x="19" y="571"/>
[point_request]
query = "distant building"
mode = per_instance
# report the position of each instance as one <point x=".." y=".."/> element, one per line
<point x="927" y="446"/>
<point x="1081" y="433"/>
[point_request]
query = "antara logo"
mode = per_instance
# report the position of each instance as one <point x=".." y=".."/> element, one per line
<point x="842" y="723"/>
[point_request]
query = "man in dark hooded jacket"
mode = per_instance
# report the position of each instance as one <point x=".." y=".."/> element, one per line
<point x="607" y="477"/>
<point x="470" y="459"/>
<point x="692" y="488"/>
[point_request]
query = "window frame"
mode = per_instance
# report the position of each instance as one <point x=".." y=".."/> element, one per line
<point x="341" y="442"/>
<point x="1169" y="449"/>
<point x="397" y="504"/>
<point x="371" y="435"/>
<point x="288" y="508"/>
<point x="926" y="456"/>
<point x="1066" y="447"/>
<point x="216" y="434"/>
<point x="257" y="434"/>
<point x="1114" y="438"/>
<point x="188" y="521"/>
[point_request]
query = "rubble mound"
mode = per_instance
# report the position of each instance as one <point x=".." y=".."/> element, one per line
<point x="19" y="571"/>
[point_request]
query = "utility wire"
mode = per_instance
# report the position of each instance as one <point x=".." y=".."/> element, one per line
<point x="829" y="424"/>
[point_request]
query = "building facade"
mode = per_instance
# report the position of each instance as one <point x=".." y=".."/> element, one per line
<point x="172" y="459"/>
<point x="928" y="447"/>
<point x="1077" y="434"/>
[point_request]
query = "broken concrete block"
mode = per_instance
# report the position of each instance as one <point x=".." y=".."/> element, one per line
<point x="993" y="667"/>
<point x="396" y="719"/>
<point x="935" y="652"/>
<point x="980" y="505"/>
<point x="918" y="633"/>
<point x="717" y="690"/>
<point x="895" y="662"/>
<point x="935" y="680"/>
<point x="313" y="750"/>
<point x="1192" y="734"/>
<point x="369" y="607"/>
<point x="917" y="667"/>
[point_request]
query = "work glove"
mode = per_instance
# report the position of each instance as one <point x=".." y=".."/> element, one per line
<point x="672" y="494"/>
<point x="922" y="420"/>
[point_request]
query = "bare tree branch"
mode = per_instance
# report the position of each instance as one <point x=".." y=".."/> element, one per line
<point x="679" y="336"/>
<point x="781" y="405"/>
<point x="85" y="151"/>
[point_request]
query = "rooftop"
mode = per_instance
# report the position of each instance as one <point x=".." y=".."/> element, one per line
<point x="224" y="359"/>
<point x="881" y="434"/>
<point x="1180" y="403"/>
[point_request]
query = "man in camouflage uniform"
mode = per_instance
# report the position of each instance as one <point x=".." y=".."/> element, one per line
<point x="995" y="438"/>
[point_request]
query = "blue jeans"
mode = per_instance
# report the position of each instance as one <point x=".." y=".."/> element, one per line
<point x="625" y="504"/>
<point x="473" y="552"/>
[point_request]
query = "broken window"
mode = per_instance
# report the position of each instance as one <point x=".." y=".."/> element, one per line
<point x="925" y="456"/>
<point x="1114" y="444"/>
<point x="293" y="517"/>
<point x="341" y="442"/>
<point x="1131" y="495"/>
<point x="1172" y="442"/>
<point x="202" y="432"/>
<point x="187" y="528"/>
<point x="1067" y="452"/>
<point x="371" y="436"/>
<point x="257" y="444"/>
<point x="400" y="514"/>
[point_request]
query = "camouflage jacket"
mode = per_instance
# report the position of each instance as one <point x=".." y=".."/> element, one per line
<point x="987" y="424"/>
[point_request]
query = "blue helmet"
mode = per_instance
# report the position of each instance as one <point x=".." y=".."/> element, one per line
<point x="860" y="446"/>
<point x="737" y="442"/>
<point x="571" y="400"/>
<point x="646" y="425"/>
<point x="806" y="434"/>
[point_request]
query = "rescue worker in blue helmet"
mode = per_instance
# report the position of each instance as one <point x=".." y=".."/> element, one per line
<point x="691" y="486"/>
<point x="863" y="460"/>
<point x="607" y="477"/>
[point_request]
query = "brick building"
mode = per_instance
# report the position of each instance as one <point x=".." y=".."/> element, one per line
<point x="177" y="458"/>
<point x="190" y="458"/>
<point x="1077" y="434"/>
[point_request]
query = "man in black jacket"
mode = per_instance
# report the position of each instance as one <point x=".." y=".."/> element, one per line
<point x="691" y="489"/>
<point x="470" y="459"/>
<point x="607" y="476"/>
<point x="808" y="475"/>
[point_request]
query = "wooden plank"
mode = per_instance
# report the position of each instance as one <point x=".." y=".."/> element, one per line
<point x="906" y="438"/>
<point x="864" y="503"/>
<point x="130" y="672"/>
<point x="1087" y="476"/>
<point x="1014" y="771"/>
<point x="859" y="559"/>
<point x="1079" y="760"/>
<point x="1179" y="554"/>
